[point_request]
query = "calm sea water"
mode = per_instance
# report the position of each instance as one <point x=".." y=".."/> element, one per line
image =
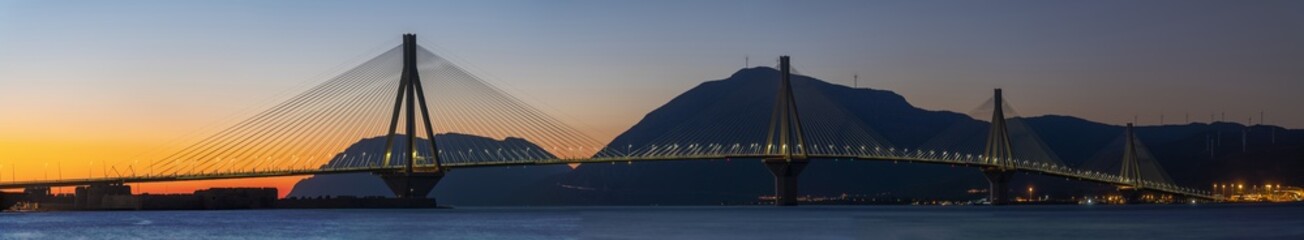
<point x="756" y="222"/>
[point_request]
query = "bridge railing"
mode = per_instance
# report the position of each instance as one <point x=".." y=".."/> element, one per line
<point x="934" y="156"/>
<point x="874" y="153"/>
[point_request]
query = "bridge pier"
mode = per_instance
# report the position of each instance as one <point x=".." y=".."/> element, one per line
<point x="998" y="181"/>
<point x="412" y="185"/>
<point x="1133" y="195"/>
<point x="786" y="172"/>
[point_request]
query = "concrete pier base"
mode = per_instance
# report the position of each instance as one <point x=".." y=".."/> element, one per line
<point x="1132" y="195"/>
<point x="998" y="180"/>
<point x="411" y="185"/>
<point x="786" y="172"/>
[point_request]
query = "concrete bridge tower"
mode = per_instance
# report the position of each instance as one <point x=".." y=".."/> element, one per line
<point x="411" y="182"/>
<point x="999" y="153"/>
<point x="785" y="141"/>
<point x="1133" y="188"/>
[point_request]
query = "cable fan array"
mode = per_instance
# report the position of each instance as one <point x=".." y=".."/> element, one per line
<point x="968" y="138"/>
<point x="335" y="124"/>
<point x="1145" y="171"/>
<point x="734" y="120"/>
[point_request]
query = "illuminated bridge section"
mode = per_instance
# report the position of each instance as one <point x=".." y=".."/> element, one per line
<point x="408" y="94"/>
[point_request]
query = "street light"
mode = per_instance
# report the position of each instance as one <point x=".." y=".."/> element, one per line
<point x="1030" y="194"/>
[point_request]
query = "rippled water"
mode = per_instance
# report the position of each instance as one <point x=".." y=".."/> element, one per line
<point x="756" y="222"/>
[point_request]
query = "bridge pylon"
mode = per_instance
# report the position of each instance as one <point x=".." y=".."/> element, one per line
<point x="1130" y="171"/>
<point x="411" y="182"/>
<point x="999" y="153"/>
<point x="785" y="142"/>
<point x="1133" y="188"/>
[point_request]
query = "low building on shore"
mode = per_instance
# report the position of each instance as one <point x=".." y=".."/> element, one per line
<point x="118" y="197"/>
<point x="111" y="196"/>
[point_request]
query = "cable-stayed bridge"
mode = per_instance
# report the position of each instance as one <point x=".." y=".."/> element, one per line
<point x="409" y="92"/>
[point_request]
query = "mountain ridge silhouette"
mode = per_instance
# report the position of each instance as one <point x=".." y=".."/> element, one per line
<point x="1183" y="150"/>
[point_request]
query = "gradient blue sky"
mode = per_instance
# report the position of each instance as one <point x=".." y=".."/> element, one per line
<point x="173" y="66"/>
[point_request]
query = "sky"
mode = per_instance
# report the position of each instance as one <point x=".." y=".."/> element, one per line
<point x="87" y="83"/>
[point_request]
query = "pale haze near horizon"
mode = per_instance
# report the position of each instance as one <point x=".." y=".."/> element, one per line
<point x="129" y="76"/>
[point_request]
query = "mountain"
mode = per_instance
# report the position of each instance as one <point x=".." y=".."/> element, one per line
<point x="475" y="186"/>
<point x="1180" y="149"/>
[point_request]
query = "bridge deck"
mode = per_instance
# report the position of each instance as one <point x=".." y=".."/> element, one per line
<point x="920" y="157"/>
